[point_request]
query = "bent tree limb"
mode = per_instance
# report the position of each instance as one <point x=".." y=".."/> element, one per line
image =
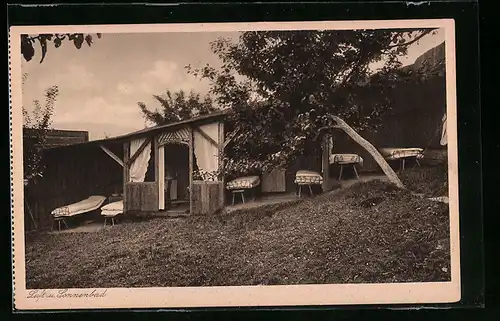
<point x="388" y="171"/>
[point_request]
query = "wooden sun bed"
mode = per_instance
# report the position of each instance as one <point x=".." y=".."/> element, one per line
<point x="241" y="184"/>
<point x="346" y="159"/>
<point x="111" y="210"/>
<point x="307" y="178"/>
<point x="89" y="204"/>
<point x="402" y="154"/>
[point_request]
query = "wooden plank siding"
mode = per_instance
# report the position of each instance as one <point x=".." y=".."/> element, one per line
<point x="58" y="138"/>
<point x="206" y="197"/>
<point x="222" y="138"/>
<point x="71" y="174"/>
<point x="126" y="173"/>
<point x="416" y="117"/>
<point x="141" y="197"/>
<point x="274" y="181"/>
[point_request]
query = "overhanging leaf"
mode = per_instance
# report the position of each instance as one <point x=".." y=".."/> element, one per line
<point x="43" y="46"/>
<point x="88" y="40"/>
<point x="78" y="40"/>
<point x="27" y="49"/>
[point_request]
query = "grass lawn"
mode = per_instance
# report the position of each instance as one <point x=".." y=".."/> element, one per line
<point x="430" y="181"/>
<point x="370" y="232"/>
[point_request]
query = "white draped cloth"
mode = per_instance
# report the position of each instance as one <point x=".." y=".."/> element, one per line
<point x="207" y="153"/>
<point x="139" y="167"/>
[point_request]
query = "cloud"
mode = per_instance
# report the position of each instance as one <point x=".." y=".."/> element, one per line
<point x="73" y="77"/>
<point x="125" y="88"/>
<point x="99" y="110"/>
<point x="163" y="71"/>
<point x="162" y="76"/>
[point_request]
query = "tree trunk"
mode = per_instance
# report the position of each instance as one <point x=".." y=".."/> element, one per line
<point x="386" y="168"/>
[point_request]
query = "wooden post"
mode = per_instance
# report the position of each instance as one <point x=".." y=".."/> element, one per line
<point x="326" y="163"/>
<point x="126" y="173"/>
<point x="191" y="160"/>
<point x="156" y="155"/>
<point x="221" y="164"/>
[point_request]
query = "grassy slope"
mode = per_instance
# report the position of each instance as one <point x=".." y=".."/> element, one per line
<point x="430" y="181"/>
<point x="370" y="232"/>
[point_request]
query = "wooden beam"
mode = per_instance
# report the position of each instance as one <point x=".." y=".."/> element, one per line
<point x="231" y="136"/>
<point x="126" y="173"/>
<point x="191" y="167"/>
<point x="206" y="136"/>
<point x="325" y="128"/>
<point x="112" y="155"/>
<point x="326" y="164"/>
<point x="139" y="151"/>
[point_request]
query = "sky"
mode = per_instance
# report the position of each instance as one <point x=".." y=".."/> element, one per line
<point x="99" y="86"/>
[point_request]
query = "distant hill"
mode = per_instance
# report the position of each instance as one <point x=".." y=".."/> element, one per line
<point x="432" y="61"/>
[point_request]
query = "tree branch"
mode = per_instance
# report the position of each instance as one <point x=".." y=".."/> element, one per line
<point x="412" y="41"/>
<point x="325" y="128"/>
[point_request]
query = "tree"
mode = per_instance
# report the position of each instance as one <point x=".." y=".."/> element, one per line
<point x="294" y="81"/>
<point x="177" y="106"/>
<point x="340" y="124"/>
<point x="28" y="42"/>
<point x="36" y="125"/>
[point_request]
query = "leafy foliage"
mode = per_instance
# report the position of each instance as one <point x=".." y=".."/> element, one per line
<point x="292" y="81"/>
<point x="36" y="125"/>
<point x="28" y="42"/>
<point x="177" y="106"/>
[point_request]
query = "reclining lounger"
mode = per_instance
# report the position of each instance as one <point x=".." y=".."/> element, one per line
<point x="87" y="205"/>
<point x="307" y="178"/>
<point x="402" y="154"/>
<point x="240" y="184"/>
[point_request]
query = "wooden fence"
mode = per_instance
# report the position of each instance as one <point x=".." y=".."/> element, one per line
<point x="415" y="122"/>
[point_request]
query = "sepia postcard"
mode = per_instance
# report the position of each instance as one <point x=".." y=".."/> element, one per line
<point x="234" y="164"/>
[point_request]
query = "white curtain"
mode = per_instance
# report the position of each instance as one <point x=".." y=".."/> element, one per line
<point x="207" y="154"/>
<point x="140" y="166"/>
<point x="444" y="138"/>
<point x="161" y="175"/>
